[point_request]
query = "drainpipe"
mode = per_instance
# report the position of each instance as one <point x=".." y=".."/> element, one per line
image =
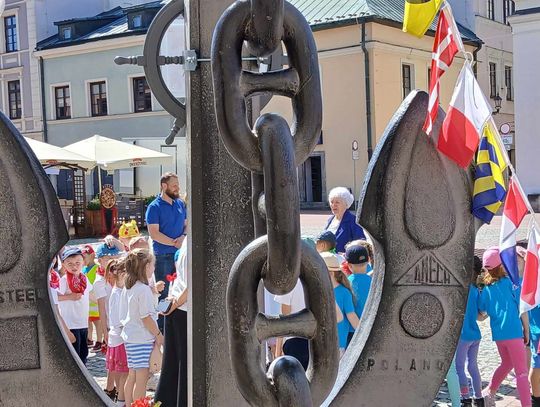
<point x="43" y="107"/>
<point x="475" y="56"/>
<point x="368" y="93"/>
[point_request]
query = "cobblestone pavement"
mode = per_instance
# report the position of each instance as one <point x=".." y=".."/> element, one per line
<point x="488" y="358"/>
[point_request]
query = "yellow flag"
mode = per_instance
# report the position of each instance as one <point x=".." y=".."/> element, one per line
<point x="419" y="14"/>
<point x="489" y="186"/>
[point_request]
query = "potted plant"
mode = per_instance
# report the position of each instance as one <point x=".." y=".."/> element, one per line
<point x="94" y="220"/>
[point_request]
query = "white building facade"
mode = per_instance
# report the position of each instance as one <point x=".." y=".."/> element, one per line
<point x="23" y="23"/>
<point x="526" y="35"/>
<point x="489" y="20"/>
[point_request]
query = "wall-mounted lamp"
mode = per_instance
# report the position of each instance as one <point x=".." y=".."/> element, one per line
<point x="498" y="101"/>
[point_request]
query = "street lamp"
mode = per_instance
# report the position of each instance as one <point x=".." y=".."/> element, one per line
<point x="498" y="101"/>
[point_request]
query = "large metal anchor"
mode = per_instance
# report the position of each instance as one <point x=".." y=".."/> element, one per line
<point x="34" y="356"/>
<point x="416" y="205"/>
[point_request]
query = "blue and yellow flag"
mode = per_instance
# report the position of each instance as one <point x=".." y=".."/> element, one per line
<point x="489" y="188"/>
<point x="419" y="14"/>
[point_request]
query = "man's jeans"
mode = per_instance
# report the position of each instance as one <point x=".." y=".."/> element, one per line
<point x="164" y="266"/>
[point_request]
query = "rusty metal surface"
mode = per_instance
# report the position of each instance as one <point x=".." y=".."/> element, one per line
<point x="415" y="204"/>
<point x="248" y="328"/>
<point x="277" y="258"/>
<point x="37" y="366"/>
<point x="230" y="98"/>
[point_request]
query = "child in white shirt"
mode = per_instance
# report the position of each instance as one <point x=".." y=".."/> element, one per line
<point x="138" y="317"/>
<point x="74" y="299"/>
<point x="116" y="363"/>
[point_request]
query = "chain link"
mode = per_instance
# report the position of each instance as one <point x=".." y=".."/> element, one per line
<point x="279" y="258"/>
<point x="265" y="27"/>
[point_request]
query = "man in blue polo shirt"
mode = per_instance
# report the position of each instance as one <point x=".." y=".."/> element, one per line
<point x="166" y="218"/>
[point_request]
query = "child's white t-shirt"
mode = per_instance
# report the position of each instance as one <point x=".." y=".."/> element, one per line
<point x="114" y="318"/>
<point x="137" y="303"/>
<point x="74" y="313"/>
<point x="295" y="299"/>
<point x="102" y="289"/>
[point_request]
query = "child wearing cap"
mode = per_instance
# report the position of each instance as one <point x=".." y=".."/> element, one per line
<point x="128" y="231"/>
<point x="326" y="242"/>
<point x="509" y="332"/>
<point x="369" y="248"/>
<point x="357" y="258"/>
<point x="74" y="299"/>
<point x="344" y="296"/>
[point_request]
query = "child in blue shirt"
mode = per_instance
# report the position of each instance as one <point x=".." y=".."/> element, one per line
<point x="344" y="299"/>
<point x="469" y="343"/>
<point x="510" y="332"/>
<point x="357" y="258"/>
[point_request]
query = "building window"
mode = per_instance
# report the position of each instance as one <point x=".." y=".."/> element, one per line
<point x="62" y="102"/>
<point x="492" y="80"/>
<point x="491" y="9"/>
<point x="508" y="83"/>
<point x="98" y="98"/>
<point x="137" y="21"/>
<point x="406" y="74"/>
<point x="66" y="33"/>
<point x="10" y="31"/>
<point x="508" y="9"/>
<point x="142" y="98"/>
<point x="429" y="78"/>
<point x="14" y="96"/>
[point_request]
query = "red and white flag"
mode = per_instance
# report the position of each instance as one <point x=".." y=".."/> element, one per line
<point x="467" y="114"/>
<point x="530" y="289"/>
<point x="446" y="45"/>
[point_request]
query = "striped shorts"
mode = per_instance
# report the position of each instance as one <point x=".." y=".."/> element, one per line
<point x="138" y="354"/>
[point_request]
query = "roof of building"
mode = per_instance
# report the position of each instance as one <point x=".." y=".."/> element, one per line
<point x="526" y="11"/>
<point x="111" y="29"/>
<point x="321" y="14"/>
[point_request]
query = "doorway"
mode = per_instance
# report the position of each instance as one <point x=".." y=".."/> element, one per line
<point x="311" y="177"/>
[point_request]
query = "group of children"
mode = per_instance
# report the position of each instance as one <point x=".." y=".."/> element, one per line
<point x="350" y="274"/>
<point x="493" y="295"/>
<point x="111" y="289"/>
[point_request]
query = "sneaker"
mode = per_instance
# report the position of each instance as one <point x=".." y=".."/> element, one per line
<point x="96" y="347"/>
<point x="489" y="400"/>
<point x="466" y="402"/>
<point x="90" y="343"/>
<point x="479" y="402"/>
<point x="112" y="394"/>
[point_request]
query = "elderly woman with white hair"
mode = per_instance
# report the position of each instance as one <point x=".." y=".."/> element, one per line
<point x="342" y="223"/>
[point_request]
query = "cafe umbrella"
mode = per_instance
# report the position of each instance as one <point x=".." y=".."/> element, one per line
<point x="110" y="154"/>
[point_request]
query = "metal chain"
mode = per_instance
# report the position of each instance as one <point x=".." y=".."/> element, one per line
<point x="275" y="150"/>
